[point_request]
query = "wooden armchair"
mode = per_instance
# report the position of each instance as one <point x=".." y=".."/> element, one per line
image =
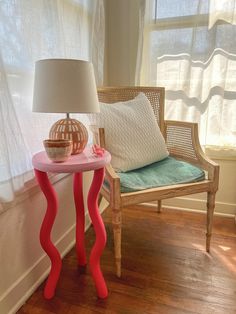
<point x="182" y="143"/>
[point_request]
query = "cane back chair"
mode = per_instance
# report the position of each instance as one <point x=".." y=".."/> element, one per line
<point x="182" y="143"/>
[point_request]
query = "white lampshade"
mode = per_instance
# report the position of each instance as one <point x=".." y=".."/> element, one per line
<point x="65" y="86"/>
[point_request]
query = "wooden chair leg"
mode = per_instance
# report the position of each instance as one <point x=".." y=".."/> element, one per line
<point x="159" y="206"/>
<point x="99" y="199"/>
<point x="210" y="212"/>
<point x="116" y="222"/>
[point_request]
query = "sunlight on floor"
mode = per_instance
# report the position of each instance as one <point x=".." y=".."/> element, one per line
<point x="227" y="260"/>
<point x="224" y="248"/>
<point x="222" y="253"/>
<point x="199" y="246"/>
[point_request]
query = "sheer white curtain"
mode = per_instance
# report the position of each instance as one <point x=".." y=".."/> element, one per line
<point x="32" y="30"/>
<point x="189" y="47"/>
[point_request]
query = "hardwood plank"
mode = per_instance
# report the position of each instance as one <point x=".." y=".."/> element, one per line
<point x="165" y="268"/>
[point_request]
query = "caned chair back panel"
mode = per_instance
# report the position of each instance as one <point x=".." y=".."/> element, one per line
<point x="155" y="95"/>
<point x="175" y="132"/>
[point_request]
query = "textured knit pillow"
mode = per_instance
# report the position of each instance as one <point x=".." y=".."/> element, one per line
<point x="132" y="135"/>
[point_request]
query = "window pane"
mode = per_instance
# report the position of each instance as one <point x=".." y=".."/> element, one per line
<point x="199" y="42"/>
<point x="175" y="8"/>
<point x="181" y="41"/>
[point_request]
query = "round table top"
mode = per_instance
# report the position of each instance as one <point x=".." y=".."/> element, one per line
<point x="84" y="161"/>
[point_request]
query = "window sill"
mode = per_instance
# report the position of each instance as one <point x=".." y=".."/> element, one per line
<point x="221" y="152"/>
<point x="30" y="188"/>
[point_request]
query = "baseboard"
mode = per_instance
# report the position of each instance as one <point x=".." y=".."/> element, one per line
<point x="198" y="205"/>
<point x="28" y="282"/>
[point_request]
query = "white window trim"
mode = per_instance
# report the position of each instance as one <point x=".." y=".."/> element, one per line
<point x="31" y="187"/>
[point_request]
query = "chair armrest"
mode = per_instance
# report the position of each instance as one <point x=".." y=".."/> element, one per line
<point x="98" y="135"/>
<point x="114" y="184"/>
<point x="99" y="139"/>
<point x="110" y="174"/>
<point x="183" y="142"/>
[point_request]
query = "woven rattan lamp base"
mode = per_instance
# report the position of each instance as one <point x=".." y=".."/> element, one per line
<point x="70" y="129"/>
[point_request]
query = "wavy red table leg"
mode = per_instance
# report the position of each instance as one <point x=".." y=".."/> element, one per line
<point x="79" y="205"/>
<point x="45" y="233"/>
<point x="100" y="233"/>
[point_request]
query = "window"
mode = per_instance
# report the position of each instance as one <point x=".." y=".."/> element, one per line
<point x="29" y="31"/>
<point x="196" y="65"/>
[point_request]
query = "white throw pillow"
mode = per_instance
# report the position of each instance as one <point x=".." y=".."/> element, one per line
<point x="132" y="135"/>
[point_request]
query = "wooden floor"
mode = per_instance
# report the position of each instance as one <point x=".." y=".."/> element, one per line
<point x="165" y="269"/>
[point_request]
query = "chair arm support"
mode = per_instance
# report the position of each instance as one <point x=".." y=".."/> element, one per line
<point x="114" y="184"/>
<point x="110" y="174"/>
<point x="183" y="142"/>
<point x="98" y="135"/>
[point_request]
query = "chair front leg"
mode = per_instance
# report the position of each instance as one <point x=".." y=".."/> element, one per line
<point x="99" y="199"/>
<point x="116" y="223"/>
<point x="210" y="212"/>
<point x="159" y="206"/>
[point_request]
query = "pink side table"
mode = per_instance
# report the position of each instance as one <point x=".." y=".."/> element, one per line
<point x="76" y="164"/>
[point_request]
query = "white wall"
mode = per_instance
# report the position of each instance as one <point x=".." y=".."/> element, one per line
<point x="23" y="263"/>
<point x="121" y="41"/>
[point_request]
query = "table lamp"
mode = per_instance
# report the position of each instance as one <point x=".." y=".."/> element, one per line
<point x="66" y="86"/>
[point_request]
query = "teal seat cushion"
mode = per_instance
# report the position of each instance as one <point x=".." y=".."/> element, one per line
<point x="168" y="171"/>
